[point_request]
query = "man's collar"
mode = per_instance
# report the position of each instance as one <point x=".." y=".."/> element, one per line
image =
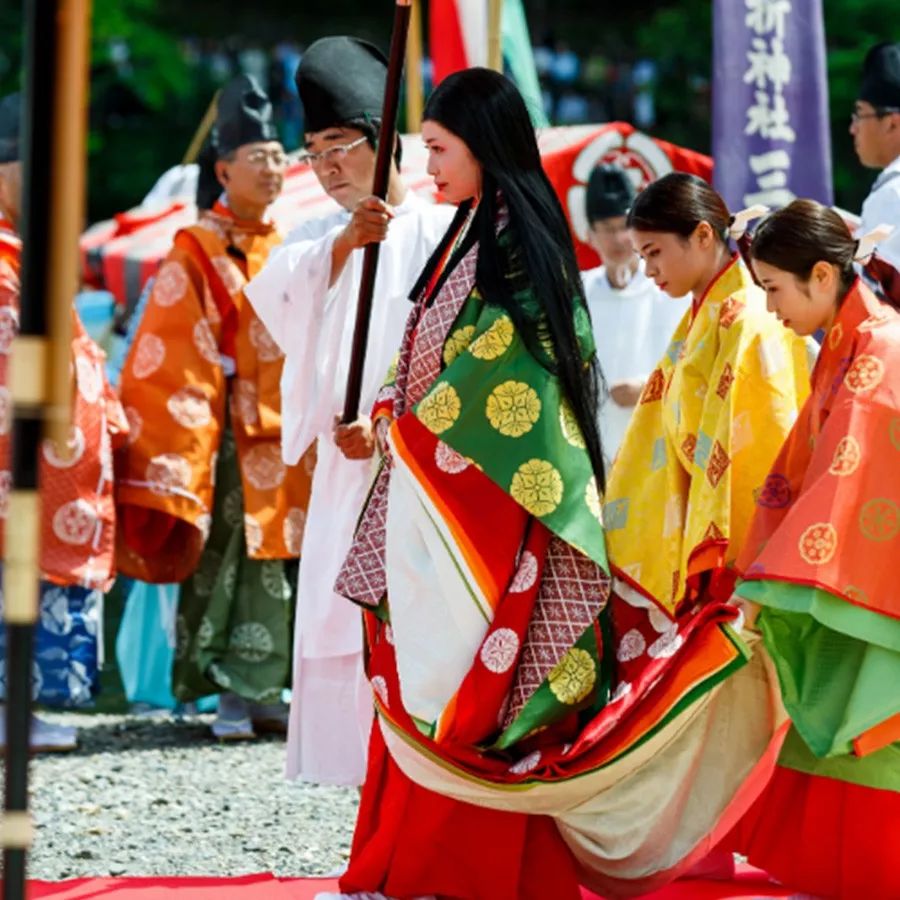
<point x="887" y="173"/>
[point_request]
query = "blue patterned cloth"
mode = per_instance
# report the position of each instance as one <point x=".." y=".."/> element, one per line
<point x="67" y="655"/>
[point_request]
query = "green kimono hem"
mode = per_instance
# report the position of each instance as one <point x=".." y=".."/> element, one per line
<point x="828" y="609"/>
<point x="834" y="685"/>
<point x="880" y="770"/>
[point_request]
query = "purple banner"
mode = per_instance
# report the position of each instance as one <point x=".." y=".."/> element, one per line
<point x="771" y="137"/>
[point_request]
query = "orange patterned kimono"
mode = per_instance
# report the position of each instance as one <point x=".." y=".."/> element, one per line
<point x="202" y="488"/>
<point x="819" y="561"/>
<point x="199" y="345"/>
<point x="78" y="520"/>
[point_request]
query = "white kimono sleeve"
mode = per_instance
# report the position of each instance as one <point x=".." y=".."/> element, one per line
<point x="306" y="318"/>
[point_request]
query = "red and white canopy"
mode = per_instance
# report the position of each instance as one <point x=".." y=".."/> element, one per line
<point x="122" y="253"/>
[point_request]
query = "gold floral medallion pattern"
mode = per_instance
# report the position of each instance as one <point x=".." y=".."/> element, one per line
<point x="573" y="677"/>
<point x="569" y="426"/>
<point x="513" y="408"/>
<point x="818" y="543"/>
<point x="865" y="374"/>
<point x="847" y="456"/>
<point x="440" y="408"/>
<point x="537" y="486"/>
<point x="879" y="519"/>
<point x="457" y="343"/>
<point x="495" y="341"/>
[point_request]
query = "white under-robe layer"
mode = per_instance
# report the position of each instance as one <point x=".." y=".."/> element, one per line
<point x="632" y="329"/>
<point x="313" y="325"/>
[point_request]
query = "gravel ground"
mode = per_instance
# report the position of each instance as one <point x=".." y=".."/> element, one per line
<point x="153" y="796"/>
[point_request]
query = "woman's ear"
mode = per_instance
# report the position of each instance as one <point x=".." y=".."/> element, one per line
<point x="704" y="235"/>
<point x="823" y="274"/>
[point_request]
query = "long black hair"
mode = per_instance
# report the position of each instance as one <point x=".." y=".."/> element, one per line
<point x="486" y="111"/>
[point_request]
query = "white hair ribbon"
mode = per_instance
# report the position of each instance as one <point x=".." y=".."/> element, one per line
<point x="866" y="245"/>
<point x="739" y="221"/>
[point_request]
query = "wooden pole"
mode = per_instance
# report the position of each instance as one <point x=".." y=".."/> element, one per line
<point x="52" y="216"/>
<point x="415" y="94"/>
<point x="383" y="160"/>
<point x="495" y="35"/>
<point x="203" y="129"/>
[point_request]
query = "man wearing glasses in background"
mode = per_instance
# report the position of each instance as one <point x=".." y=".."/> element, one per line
<point x="306" y="296"/>
<point x="203" y="496"/>
<point x="875" y="126"/>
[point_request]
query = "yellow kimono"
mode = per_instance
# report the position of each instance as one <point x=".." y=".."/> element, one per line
<point x="711" y="419"/>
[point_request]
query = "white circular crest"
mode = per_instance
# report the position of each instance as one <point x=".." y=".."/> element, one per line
<point x="266" y="347"/>
<point x="448" y="460"/>
<point x="148" y="355"/>
<point x="526" y="574"/>
<point x="499" y="651"/>
<point x="75" y="447"/>
<point x="189" y="407"/>
<point x="253" y="534"/>
<point x="264" y="467"/>
<point x="167" y="471"/>
<point x="89" y="378"/>
<point x="9" y="328"/>
<point x="75" y="522"/>
<point x="666" y="645"/>
<point x="205" y="342"/>
<point x="135" y="423"/>
<point x="631" y="646"/>
<point x="171" y="284"/>
<point x="294" y="523"/>
<point x="230" y="274"/>
<point x="245" y="401"/>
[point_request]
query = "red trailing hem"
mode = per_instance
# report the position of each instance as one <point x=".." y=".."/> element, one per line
<point x="410" y="842"/>
<point x="825" y="837"/>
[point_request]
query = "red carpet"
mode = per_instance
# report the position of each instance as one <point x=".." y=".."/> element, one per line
<point x="749" y="884"/>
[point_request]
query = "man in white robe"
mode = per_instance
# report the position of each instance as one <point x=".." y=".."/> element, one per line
<point x="306" y="296"/>
<point x="633" y="319"/>
<point x="875" y="126"/>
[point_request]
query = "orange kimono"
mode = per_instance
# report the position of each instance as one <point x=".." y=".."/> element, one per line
<point x="819" y="561"/>
<point x="202" y="489"/>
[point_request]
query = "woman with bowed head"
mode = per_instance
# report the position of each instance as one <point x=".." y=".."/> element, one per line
<point x="520" y="704"/>
<point x="713" y="414"/>
<point x="816" y="567"/>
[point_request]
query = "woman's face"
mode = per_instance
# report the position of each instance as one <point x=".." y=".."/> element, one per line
<point x="675" y="263"/>
<point x="456" y="173"/>
<point x="803" y="306"/>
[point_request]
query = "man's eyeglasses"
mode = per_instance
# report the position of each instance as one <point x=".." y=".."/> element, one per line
<point x="259" y="158"/>
<point x="332" y="154"/>
<point x="880" y="113"/>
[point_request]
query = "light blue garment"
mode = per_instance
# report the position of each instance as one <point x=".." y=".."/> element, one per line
<point x="145" y="643"/>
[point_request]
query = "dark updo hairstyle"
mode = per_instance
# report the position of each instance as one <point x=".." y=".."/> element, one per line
<point x="676" y="204"/>
<point x="805" y="232"/>
<point x="534" y="276"/>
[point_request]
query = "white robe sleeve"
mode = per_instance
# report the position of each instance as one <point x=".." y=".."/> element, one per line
<point x="306" y="318"/>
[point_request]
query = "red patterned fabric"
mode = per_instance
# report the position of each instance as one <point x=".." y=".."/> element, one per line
<point x="76" y="482"/>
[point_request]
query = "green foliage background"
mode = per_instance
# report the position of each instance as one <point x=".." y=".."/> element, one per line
<point x="158" y="100"/>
